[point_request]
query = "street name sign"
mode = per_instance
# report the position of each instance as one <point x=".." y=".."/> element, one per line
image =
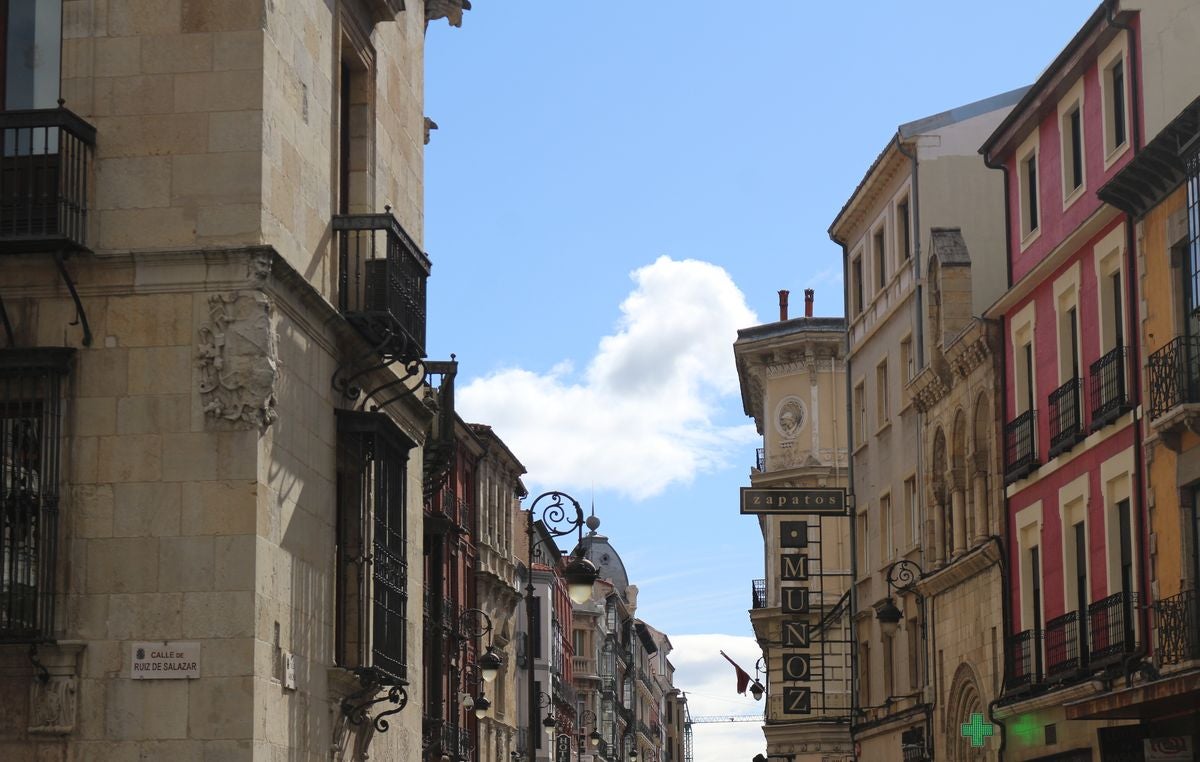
<point x="165" y="660"/>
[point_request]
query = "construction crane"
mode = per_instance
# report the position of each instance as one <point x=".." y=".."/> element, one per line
<point x="689" y="720"/>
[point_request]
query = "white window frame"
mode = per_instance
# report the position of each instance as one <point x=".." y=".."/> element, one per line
<point x="1116" y="476"/>
<point x="1116" y="51"/>
<point x="1030" y="148"/>
<point x="1072" y="509"/>
<point x="1066" y="296"/>
<point x="1072" y="100"/>
<point x="1029" y="536"/>
<point x="1109" y="257"/>
<point x="1022" y="331"/>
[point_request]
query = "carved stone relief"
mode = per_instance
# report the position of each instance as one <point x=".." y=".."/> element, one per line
<point x="239" y="360"/>
<point x="53" y="705"/>
<point x="451" y="10"/>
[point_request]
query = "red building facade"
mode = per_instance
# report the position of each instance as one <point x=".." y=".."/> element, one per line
<point x="1070" y="437"/>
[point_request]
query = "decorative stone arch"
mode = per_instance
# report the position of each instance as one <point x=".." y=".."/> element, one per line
<point x="963" y="700"/>
<point x="982" y="425"/>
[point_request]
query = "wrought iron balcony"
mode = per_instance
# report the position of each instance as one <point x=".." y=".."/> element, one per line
<point x="1174" y="372"/>
<point x="1110" y="395"/>
<point x="45" y="162"/>
<point x="1179" y="627"/>
<point x="1064" y="655"/>
<point x="1066" y="429"/>
<point x="381" y="283"/>
<point x="1112" y="628"/>
<point x="758" y="594"/>
<point x="1020" y="446"/>
<point x="760" y="459"/>
<point x="1024" y="660"/>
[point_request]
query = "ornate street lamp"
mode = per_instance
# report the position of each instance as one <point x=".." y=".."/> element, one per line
<point x="586" y="716"/>
<point x="902" y="578"/>
<point x="757" y="689"/>
<point x="559" y="514"/>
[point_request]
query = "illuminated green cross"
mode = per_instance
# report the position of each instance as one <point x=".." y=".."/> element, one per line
<point x="977" y="729"/>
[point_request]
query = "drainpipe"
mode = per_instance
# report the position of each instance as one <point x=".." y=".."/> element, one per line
<point x="1006" y="624"/>
<point x="850" y="482"/>
<point x="1135" y="377"/>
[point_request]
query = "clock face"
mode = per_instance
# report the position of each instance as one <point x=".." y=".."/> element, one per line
<point x="790" y="416"/>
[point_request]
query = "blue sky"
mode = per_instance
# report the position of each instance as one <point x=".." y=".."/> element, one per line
<point x="613" y="189"/>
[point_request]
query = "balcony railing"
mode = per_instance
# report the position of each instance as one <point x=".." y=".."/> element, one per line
<point x="1063" y="654"/>
<point x="1110" y="397"/>
<point x="583" y="666"/>
<point x="381" y="283"/>
<point x="1179" y="627"/>
<point x="760" y="459"/>
<point x="1112" y="628"/>
<point x="1174" y="373"/>
<point x="45" y="158"/>
<point x="1020" y="446"/>
<point x="1024" y="656"/>
<point x="1066" y="429"/>
<point x="758" y="594"/>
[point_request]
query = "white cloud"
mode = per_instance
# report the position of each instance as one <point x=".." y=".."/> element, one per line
<point x="641" y="415"/>
<point x="710" y="684"/>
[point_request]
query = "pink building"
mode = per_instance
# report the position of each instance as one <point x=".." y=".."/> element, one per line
<point x="1071" y="388"/>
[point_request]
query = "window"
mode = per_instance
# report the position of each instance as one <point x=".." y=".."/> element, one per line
<point x="356" y="122"/>
<point x="864" y="674"/>
<point x="372" y="600"/>
<point x="31" y="53"/>
<point x="880" y="259"/>
<point x="860" y="414"/>
<point x="1024" y="378"/>
<point x="882" y="407"/>
<point x="1029" y="194"/>
<point x="30" y="419"/>
<point x="904" y="225"/>
<point x="889" y="663"/>
<point x="913" y="635"/>
<point x="886" y="546"/>
<point x="1115" y="116"/>
<point x="856" y="284"/>
<point x="1072" y="142"/>
<point x="912" y="510"/>
<point x="864" y="557"/>
<point x="907" y="359"/>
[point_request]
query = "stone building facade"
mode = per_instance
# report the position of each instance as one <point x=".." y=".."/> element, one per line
<point x="887" y="231"/>
<point x="793" y="384"/>
<point x="963" y="647"/>
<point x="225" y="184"/>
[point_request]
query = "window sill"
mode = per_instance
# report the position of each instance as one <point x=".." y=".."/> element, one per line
<point x="1028" y="238"/>
<point x="887" y="425"/>
<point x="861" y="446"/>
<point x="1069" y="199"/>
<point x="1116" y="153"/>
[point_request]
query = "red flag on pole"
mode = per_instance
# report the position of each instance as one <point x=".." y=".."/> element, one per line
<point x="743" y="677"/>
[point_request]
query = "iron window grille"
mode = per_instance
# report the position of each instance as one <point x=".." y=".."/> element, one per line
<point x="44" y="166"/>
<point x="1024" y="656"/>
<point x="1110" y="398"/>
<point x="758" y="594"/>
<point x="1020" y="446"/>
<point x="382" y="279"/>
<point x="1174" y="374"/>
<point x="1179" y="627"/>
<point x="372" y="536"/>
<point x="31" y="387"/>
<point x="1064" y="656"/>
<point x="1065" y="426"/>
<point x="1111" y="628"/>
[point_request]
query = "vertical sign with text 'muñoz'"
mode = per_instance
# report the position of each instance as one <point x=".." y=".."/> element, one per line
<point x="795" y="557"/>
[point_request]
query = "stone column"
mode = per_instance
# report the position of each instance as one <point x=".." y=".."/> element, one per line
<point x="939" y="533"/>
<point x="958" y="505"/>
<point x="982" y="529"/>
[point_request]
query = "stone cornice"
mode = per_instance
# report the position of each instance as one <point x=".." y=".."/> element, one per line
<point x="927" y="387"/>
<point x="1051" y="699"/>
<point x="970" y="349"/>
<point x="975" y="562"/>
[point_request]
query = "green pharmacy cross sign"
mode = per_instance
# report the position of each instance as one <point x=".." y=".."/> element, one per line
<point x="977" y="730"/>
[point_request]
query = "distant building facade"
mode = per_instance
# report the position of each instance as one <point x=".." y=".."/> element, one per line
<point x="792" y="375"/>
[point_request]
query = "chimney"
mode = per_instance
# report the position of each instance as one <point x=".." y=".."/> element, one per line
<point x="809" y="295"/>
<point x="783" y="299"/>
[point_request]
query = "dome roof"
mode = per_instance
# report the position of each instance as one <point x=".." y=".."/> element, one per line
<point x="597" y="549"/>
